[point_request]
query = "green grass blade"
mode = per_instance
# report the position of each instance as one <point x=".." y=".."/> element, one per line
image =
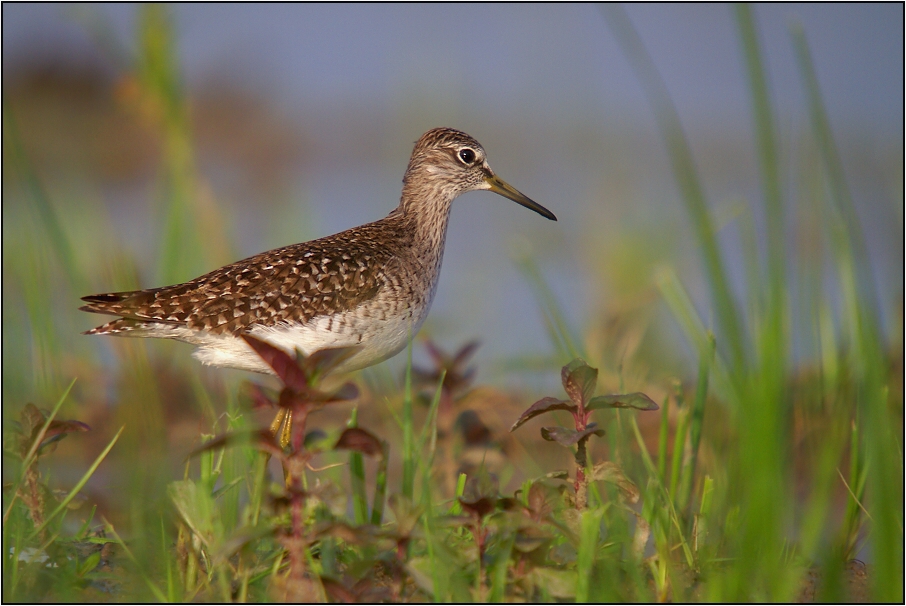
<point x="409" y="462"/>
<point x="686" y="175"/>
<point x="834" y="172"/>
<point x="432" y="556"/>
<point x="884" y="469"/>
<point x="662" y="440"/>
<point x="380" y="485"/>
<point x="357" y="478"/>
<point x="257" y="486"/>
<point x="661" y="495"/>
<point x="590" y="525"/>
<point x="155" y="590"/>
<point x="30" y="455"/>
<point x="500" y="569"/>
<point x="429" y="430"/>
<point x="679" y="453"/>
<point x="704" y="514"/>
<point x="172" y="587"/>
<point x="79" y="485"/>
<point x="699" y="337"/>
<point x="697" y="421"/>
<point x="56" y="237"/>
<point x="83" y="529"/>
<point x="554" y="319"/>
<point x="159" y="72"/>
<point x="456" y="508"/>
<point x="854" y="510"/>
<point x="766" y="142"/>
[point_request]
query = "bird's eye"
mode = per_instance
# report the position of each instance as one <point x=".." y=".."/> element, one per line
<point x="467" y="156"/>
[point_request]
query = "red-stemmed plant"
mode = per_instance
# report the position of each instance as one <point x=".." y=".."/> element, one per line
<point x="285" y="440"/>
<point x="579" y="381"/>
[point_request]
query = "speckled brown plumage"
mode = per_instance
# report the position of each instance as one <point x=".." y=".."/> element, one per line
<point x="291" y="284"/>
<point x="369" y="286"/>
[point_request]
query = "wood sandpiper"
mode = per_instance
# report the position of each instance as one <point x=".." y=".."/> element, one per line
<point x="369" y="287"/>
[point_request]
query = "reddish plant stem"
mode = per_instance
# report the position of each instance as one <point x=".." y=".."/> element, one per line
<point x="581" y="485"/>
<point x="581" y="480"/>
<point x="293" y="468"/>
<point x="479" y="533"/>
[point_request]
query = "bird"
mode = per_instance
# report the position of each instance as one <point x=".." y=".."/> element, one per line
<point x="369" y="287"/>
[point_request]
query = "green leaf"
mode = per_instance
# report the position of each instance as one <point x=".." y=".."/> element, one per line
<point x="89" y="564"/>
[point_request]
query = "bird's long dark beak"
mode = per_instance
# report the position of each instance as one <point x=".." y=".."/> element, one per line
<point x="499" y="186"/>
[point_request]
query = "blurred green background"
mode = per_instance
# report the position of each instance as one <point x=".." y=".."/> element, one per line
<point x="302" y="118"/>
<point x="144" y="146"/>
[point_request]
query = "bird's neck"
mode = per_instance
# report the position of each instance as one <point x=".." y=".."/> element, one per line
<point x="425" y="211"/>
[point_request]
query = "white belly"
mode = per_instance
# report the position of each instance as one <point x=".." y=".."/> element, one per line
<point x="378" y="335"/>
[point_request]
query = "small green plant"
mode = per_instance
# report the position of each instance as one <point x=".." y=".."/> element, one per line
<point x="34" y="436"/>
<point x="34" y="546"/>
<point x="579" y="381"/>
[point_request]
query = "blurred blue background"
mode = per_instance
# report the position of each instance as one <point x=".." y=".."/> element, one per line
<point x="309" y="112"/>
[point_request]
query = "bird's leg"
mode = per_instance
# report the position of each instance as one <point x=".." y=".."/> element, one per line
<point x="282" y="427"/>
